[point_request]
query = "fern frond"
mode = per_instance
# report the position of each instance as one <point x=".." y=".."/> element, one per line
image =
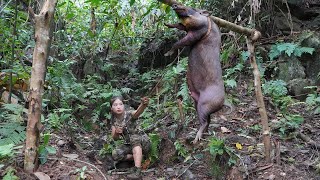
<point x="126" y="90"/>
<point x="288" y="48"/>
<point x="155" y="141"/>
<point x="184" y="91"/>
<point x="12" y="133"/>
<point x="299" y="51"/>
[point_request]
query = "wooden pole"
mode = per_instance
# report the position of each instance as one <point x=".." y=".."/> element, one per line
<point x="252" y="33"/>
<point x="260" y="102"/>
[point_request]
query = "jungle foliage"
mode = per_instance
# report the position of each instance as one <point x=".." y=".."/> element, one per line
<point x="93" y="54"/>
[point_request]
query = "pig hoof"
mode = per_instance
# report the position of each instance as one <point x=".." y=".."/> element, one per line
<point x="196" y="140"/>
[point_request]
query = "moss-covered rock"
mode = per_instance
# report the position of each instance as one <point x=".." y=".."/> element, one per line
<point x="297" y="88"/>
<point x="290" y="68"/>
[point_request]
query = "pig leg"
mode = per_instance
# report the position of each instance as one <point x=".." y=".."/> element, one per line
<point x="190" y="39"/>
<point x="178" y="26"/>
<point x="204" y="119"/>
<point x="193" y="93"/>
<point x="208" y="103"/>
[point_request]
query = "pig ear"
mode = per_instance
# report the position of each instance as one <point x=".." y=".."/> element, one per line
<point x="204" y="12"/>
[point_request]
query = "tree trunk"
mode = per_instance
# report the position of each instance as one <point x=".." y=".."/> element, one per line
<point x="14" y="34"/>
<point x="93" y="23"/>
<point x="43" y="28"/>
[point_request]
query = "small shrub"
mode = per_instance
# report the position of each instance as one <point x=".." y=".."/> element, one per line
<point x="277" y="90"/>
<point x="181" y="149"/>
<point x="289" y="123"/>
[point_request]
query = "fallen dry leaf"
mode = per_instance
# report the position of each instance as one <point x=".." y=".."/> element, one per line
<point x="42" y="176"/>
<point x="223" y="118"/>
<point x="239" y="146"/>
<point x="225" y="130"/>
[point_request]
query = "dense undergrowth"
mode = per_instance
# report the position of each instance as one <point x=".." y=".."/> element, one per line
<point x="84" y="73"/>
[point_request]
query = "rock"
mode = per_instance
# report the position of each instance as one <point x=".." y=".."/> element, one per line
<point x="42" y="175"/>
<point x="283" y="24"/>
<point x="187" y="175"/>
<point x="297" y="88"/>
<point x="271" y="177"/>
<point x="311" y="63"/>
<point x="290" y="68"/>
<point x="170" y="172"/>
<point x="61" y="143"/>
<point x="283" y="174"/>
<point x="307" y="12"/>
<point x="5" y="98"/>
<point x="71" y="156"/>
<point x="152" y="52"/>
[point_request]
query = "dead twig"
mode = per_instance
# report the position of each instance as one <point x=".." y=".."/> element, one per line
<point x="188" y="167"/>
<point x="277" y="151"/>
<point x="261" y="168"/>
<point x="116" y="172"/>
<point x="308" y="140"/>
<point x="104" y="177"/>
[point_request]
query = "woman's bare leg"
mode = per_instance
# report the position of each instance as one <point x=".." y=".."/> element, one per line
<point x="137" y="156"/>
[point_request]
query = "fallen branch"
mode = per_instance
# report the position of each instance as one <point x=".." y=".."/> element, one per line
<point x="187" y="168"/>
<point x="116" y="172"/>
<point x="308" y="140"/>
<point x="261" y="168"/>
<point x="277" y="151"/>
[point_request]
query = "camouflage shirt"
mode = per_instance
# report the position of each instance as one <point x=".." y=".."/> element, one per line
<point x="128" y="124"/>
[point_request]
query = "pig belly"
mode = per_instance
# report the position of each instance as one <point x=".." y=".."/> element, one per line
<point x="210" y="100"/>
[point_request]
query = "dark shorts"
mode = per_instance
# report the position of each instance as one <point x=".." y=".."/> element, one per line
<point x="120" y="152"/>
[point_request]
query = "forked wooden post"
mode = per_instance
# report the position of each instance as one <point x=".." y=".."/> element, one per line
<point x="260" y="102"/>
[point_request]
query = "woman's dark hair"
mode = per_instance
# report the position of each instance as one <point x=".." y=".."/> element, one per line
<point x="115" y="98"/>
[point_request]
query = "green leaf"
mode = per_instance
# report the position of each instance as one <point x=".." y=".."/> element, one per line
<point x="93" y="2"/>
<point x="274" y="52"/>
<point x="317" y="110"/>
<point x="154" y="152"/>
<point x="51" y="150"/>
<point x="231" y="83"/>
<point x="132" y="2"/>
<point x="6" y="150"/>
<point x="46" y="138"/>
<point x="70" y="15"/>
<point x="288" y="48"/>
<point x="10" y="175"/>
<point x="245" y="55"/>
<point x="300" y="50"/>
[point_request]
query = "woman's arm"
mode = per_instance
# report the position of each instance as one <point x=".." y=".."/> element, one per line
<point x="141" y="108"/>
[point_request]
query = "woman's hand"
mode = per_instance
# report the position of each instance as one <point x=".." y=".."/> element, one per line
<point x="119" y="130"/>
